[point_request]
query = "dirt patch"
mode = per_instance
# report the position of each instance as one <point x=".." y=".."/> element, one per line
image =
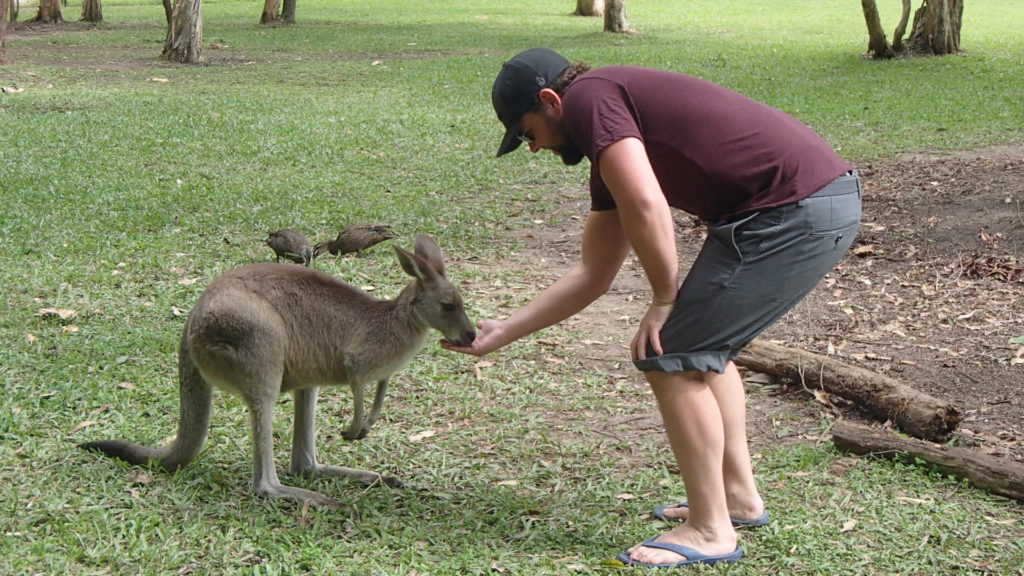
<point x="930" y="294"/>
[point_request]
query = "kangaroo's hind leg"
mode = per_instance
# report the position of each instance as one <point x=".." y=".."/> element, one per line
<point x="304" y="460"/>
<point x="264" y="474"/>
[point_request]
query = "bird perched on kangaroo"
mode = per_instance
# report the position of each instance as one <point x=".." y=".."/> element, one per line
<point x="262" y="330"/>
<point x="355" y="238"/>
<point x="290" y="244"/>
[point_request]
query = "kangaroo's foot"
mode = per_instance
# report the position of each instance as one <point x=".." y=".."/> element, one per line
<point x="298" y="495"/>
<point x="365" y="476"/>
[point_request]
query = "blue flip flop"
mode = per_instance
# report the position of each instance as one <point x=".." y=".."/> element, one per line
<point x="761" y="520"/>
<point x="692" y="556"/>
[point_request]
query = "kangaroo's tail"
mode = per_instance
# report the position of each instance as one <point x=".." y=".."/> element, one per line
<point x="193" y="424"/>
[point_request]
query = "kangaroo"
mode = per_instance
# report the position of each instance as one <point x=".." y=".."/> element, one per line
<point x="264" y="329"/>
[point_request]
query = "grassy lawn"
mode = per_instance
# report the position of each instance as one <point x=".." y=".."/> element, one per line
<point x="128" y="184"/>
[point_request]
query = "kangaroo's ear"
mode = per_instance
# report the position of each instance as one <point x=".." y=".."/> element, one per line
<point x="428" y="249"/>
<point x="413" y="264"/>
<point x="409" y="263"/>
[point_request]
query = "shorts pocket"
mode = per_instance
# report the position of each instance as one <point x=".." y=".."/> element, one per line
<point x="753" y="235"/>
<point x="723" y="235"/>
<point x="829" y="215"/>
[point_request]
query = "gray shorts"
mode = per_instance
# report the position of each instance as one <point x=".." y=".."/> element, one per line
<point x="750" y="272"/>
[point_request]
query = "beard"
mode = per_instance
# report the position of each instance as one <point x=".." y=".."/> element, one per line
<point x="570" y="154"/>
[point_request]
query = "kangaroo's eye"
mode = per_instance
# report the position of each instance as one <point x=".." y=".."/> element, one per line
<point x="448" y="307"/>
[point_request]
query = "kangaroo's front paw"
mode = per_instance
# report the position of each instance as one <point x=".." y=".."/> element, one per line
<point x="354" y="432"/>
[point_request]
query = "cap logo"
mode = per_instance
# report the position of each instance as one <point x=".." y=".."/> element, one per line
<point x="541" y="81"/>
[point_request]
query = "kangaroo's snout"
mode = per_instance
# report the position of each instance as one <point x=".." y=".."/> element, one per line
<point x="465" y="339"/>
<point x="458" y="330"/>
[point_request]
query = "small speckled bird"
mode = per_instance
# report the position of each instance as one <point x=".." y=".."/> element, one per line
<point x="355" y="238"/>
<point x="290" y="244"/>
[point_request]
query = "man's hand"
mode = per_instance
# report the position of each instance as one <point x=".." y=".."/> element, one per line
<point x="650" y="330"/>
<point x="490" y="336"/>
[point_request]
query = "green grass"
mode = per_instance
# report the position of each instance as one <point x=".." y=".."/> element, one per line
<point x="123" y="196"/>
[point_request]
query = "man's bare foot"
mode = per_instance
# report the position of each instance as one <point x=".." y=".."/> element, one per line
<point x="681" y="511"/>
<point x="720" y="548"/>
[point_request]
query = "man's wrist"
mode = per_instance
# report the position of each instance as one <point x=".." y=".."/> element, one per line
<point x="663" y="301"/>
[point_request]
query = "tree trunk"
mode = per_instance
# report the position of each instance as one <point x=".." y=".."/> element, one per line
<point x="168" y="10"/>
<point x="882" y="397"/>
<point x="270" y="11"/>
<point x="936" y="28"/>
<point x="185" y="33"/>
<point x="589" y="8"/>
<point x="878" y="46"/>
<point x="49" y="12"/>
<point x="288" y="12"/>
<point x="615" y="17"/>
<point x="92" y="11"/>
<point x="4" y="7"/>
<point x="13" y="11"/>
<point x="901" y="28"/>
<point x="998" y="475"/>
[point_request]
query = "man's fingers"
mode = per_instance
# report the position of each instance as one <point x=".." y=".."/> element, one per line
<point x="639" y="347"/>
<point x="656" y="344"/>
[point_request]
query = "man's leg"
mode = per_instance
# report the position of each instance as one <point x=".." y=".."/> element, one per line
<point x="695" y="424"/>
<point x="744" y="501"/>
<point x="748" y="274"/>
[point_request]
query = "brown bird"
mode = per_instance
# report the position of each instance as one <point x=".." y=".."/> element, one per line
<point x="290" y="244"/>
<point x="355" y="238"/>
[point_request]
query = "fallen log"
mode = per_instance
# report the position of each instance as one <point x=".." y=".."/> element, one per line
<point x="879" y="396"/>
<point x="997" y="475"/>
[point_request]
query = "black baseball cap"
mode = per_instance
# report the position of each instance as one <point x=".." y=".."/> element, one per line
<point x="517" y="87"/>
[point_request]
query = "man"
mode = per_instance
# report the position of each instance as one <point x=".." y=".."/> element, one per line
<point x="782" y="208"/>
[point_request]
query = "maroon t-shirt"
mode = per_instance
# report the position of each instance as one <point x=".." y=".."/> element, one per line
<point x="717" y="154"/>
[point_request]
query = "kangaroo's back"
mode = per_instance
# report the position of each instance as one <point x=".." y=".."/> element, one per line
<point x="306" y="294"/>
<point x="297" y="324"/>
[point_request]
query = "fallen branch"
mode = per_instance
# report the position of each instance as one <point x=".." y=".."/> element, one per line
<point x="881" y="397"/>
<point x="997" y="475"/>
